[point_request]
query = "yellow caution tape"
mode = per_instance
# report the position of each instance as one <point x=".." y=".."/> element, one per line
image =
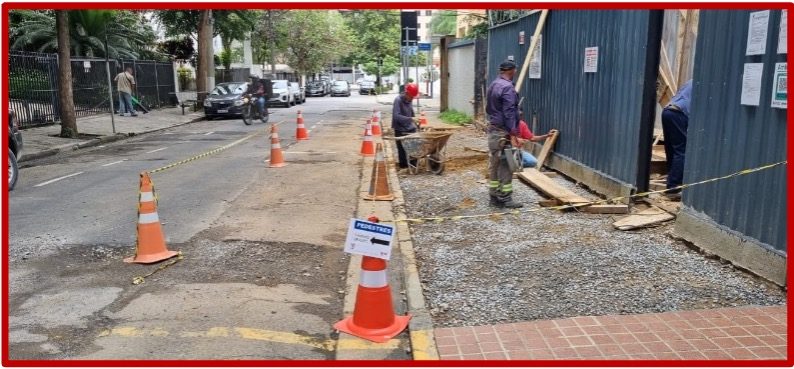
<point x="138" y="280"/>
<point x="208" y="153"/>
<point x="579" y="205"/>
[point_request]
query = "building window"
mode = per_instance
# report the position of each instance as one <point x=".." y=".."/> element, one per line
<point x="418" y="25"/>
<point x="428" y="12"/>
<point x="418" y="13"/>
<point x="427" y="25"/>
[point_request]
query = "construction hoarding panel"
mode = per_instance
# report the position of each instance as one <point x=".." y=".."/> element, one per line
<point x="602" y="117"/>
<point x="725" y="136"/>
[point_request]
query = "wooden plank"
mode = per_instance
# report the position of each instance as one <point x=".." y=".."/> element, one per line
<point x="607" y="209"/>
<point x="532" y="45"/>
<point x="671" y="207"/>
<point x="549" y="188"/>
<point x="549" y="203"/>
<point x="551" y="174"/>
<point x="466" y="148"/>
<point x="547" y="146"/>
<point x="657" y="186"/>
<point x="687" y="34"/>
<point x="651" y="216"/>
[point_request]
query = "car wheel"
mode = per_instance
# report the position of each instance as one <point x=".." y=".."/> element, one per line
<point x="13" y="170"/>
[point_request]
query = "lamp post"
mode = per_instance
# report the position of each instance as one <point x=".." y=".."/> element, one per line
<point x="110" y="84"/>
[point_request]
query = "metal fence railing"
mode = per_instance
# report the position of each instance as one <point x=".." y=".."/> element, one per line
<point x="33" y="85"/>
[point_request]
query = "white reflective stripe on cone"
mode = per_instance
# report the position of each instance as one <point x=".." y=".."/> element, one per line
<point x="373" y="279"/>
<point x="148" y="218"/>
<point x="276" y="145"/>
<point x="147" y="196"/>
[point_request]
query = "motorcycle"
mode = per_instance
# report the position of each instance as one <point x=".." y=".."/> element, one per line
<point x="251" y="110"/>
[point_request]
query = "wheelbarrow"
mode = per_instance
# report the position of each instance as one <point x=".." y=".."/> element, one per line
<point x="427" y="149"/>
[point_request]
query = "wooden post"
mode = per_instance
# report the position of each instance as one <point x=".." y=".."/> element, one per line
<point x="686" y="38"/>
<point x="445" y="72"/>
<point x="532" y="45"/>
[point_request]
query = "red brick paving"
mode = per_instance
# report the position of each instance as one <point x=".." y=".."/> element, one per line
<point x="746" y="333"/>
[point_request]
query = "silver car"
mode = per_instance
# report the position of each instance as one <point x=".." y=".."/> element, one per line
<point x="340" y="88"/>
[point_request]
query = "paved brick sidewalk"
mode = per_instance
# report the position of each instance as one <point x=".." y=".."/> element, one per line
<point x="746" y="333"/>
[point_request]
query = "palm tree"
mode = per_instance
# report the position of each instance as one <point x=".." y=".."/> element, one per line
<point x="65" y="99"/>
<point x="37" y="32"/>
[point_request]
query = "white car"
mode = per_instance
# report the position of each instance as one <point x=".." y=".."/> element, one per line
<point x="282" y="93"/>
<point x="298" y="91"/>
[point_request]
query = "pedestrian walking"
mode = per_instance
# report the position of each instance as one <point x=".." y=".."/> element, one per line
<point x="503" y="132"/>
<point x="125" y="83"/>
<point x="675" y="120"/>
<point x="403" y="121"/>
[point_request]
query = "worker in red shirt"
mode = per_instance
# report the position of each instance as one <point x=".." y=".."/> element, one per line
<point x="524" y="135"/>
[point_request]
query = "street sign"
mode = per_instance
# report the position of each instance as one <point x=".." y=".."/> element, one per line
<point x="424" y="46"/>
<point x="369" y="239"/>
<point x="410" y="50"/>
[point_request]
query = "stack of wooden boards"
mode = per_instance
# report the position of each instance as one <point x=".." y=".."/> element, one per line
<point x="559" y="195"/>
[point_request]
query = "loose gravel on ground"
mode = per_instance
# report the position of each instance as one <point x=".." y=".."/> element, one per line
<point x="550" y="264"/>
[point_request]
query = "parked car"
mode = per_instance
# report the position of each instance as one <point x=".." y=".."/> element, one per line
<point x="14" y="149"/>
<point x="315" y="88"/>
<point x="327" y="84"/>
<point x="366" y="88"/>
<point x="340" y="88"/>
<point x="225" y="100"/>
<point x="298" y="91"/>
<point x="281" y="93"/>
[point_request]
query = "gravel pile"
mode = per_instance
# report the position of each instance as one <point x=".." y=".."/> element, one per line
<point x="550" y="264"/>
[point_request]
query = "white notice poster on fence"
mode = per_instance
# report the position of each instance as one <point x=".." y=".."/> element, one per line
<point x="537" y="55"/>
<point x="751" y="83"/>
<point x="591" y="59"/>
<point x="756" y="34"/>
<point x="782" y="38"/>
<point x="779" y="95"/>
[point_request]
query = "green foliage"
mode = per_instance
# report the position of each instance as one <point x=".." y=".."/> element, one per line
<point x="27" y="84"/>
<point x="479" y="30"/>
<point x="226" y="58"/>
<point x="269" y="39"/>
<point x="185" y="75"/>
<point x="455" y="117"/>
<point x="377" y="36"/>
<point x="314" y="39"/>
<point x="128" y="34"/>
<point x="390" y="66"/>
<point x="443" y="22"/>
<point x="181" y="49"/>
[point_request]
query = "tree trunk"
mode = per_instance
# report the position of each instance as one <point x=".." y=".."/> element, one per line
<point x="65" y="98"/>
<point x="202" y="62"/>
<point x="271" y="42"/>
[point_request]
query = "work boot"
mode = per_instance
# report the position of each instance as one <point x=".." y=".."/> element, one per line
<point x="512" y="205"/>
<point x="495" y="202"/>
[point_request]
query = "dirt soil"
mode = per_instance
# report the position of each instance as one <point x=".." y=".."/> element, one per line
<point x="549" y="264"/>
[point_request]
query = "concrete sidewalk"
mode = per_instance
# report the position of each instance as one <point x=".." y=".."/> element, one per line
<point x="742" y="333"/>
<point x="95" y="130"/>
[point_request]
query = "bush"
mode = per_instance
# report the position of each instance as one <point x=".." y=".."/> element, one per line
<point x="455" y="117"/>
<point x="185" y="75"/>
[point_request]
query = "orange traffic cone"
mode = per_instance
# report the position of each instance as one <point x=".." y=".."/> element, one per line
<point x="375" y="127"/>
<point x="301" y="133"/>
<point x="150" y="247"/>
<point x="375" y="116"/>
<point x="276" y="156"/>
<point x="367" y="146"/>
<point x="373" y="317"/>
<point x="422" y="119"/>
<point x="379" y="184"/>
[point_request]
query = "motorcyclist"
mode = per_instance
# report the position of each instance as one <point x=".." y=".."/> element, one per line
<point x="256" y="88"/>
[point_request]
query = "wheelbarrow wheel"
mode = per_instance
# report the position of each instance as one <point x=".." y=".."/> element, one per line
<point x="436" y="163"/>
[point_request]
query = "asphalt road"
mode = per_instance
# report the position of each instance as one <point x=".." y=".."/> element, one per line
<point x="263" y="275"/>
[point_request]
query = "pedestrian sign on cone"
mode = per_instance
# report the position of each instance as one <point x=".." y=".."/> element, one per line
<point x="150" y="246"/>
<point x="276" y="156"/>
<point x="373" y="316"/>
<point x="301" y="133"/>
<point x="379" y="184"/>
<point x="368" y="146"/>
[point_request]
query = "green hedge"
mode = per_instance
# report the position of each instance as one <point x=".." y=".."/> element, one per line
<point x="455" y="117"/>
